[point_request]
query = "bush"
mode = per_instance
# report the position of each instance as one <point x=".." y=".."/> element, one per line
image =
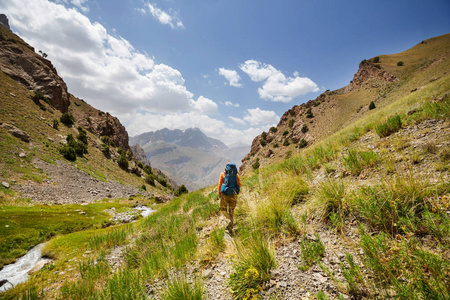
<point x="303" y="143"/>
<point x="67" y="119"/>
<point x="312" y="251"/>
<point x="305" y="128"/>
<point x="147" y="169"/>
<point x="122" y="161"/>
<point x="150" y="179"/>
<point x="286" y="142"/>
<point x="68" y="153"/>
<point x="55" y="124"/>
<point x="285" y="133"/>
<point x="400" y="63"/>
<point x="371" y="105"/>
<point x="376" y="59"/>
<point x="309" y="113"/>
<point x="256" y="164"/>
<point x="392" y="125"/>
<point x="181" y="190"/>
<point x="273" y="129"/>
<point x="291" y="123"/>
<point x="162" y="181"/>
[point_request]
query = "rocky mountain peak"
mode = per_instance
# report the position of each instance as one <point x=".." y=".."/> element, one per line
<point x="4" y="21"/>
<point x="367" y="70"/>
<point x="19" y="61"/>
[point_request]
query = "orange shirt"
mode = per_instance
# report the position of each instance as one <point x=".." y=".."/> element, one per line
<point x="222" y="179"/>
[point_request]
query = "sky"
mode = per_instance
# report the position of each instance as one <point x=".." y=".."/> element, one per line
<point x="228" y="67"/>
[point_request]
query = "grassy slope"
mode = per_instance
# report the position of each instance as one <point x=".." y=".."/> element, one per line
<point x="424" y="64"/>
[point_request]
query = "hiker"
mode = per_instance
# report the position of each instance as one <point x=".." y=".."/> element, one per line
<point x="229" y="187"/>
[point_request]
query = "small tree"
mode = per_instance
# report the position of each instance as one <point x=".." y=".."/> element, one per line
<point x="372" y="105"/>
<point x="55" y="124"/>
<point x="304" y="128"/>
<point x="181" y="190"/>
<point x="291" y="123"/>
<point x="376" y="59"/>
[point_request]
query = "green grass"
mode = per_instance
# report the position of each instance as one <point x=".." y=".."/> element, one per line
<point x="180" y="288"/>
<point x="22" y="227"/>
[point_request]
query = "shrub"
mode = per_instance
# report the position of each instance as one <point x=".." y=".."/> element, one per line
<point x="67" y="119"/>
<point x="309" y="113"/>
<point x="330" y="198"/>
<point x="392" y="125"/>
<point x="273" y="129"/>
<point x="181" y="190"/>
<point x="312" y="251"/>
<point x="150" y="179"/>
<point x="438" y="110"/>
<point x="256" y="164"/>
<point x="305" y="128"/>
<point x="286" y="142"/>
<point x="55" y="124"/>
<point x="39" y="96"/>
<point x="68" y="153"/>
<point x="291" y="123"/>
<point x="122" y="161"/>
<point x="285" y="133"/>
<point x="376" y="59"/>
<point x="303" y="143"/>
<point x="371" y="105"/>
<point x="147" y="169"/>
<point x="400" y="63"/>
<point x="162" y="181"/>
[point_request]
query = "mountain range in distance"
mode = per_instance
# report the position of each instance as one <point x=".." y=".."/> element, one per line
<point x="189" y="156"/>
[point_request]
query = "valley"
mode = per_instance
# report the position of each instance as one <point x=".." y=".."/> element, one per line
<point x="356" y="205"/>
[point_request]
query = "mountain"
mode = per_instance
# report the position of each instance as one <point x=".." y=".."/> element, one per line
<point x="192" y="137"/>
<point x="382" y="80"/>
<point x="38" y="115"/>
<point x="188" y="156"/>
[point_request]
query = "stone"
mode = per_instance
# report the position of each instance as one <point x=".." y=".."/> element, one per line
<point x="5" y="184"/>
<point x="18" y="133"/>
<point x="39" y="265"/>
<point x="22" y="155"/>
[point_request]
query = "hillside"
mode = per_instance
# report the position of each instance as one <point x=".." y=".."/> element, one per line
<point x="382" y="82"/>
<point x="361" y="212"/>
<point x="189" y="157"/>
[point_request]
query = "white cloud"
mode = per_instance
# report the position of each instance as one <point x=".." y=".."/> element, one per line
<point x="237" y="120"/>
<point x="277" y="87"/>
<point x="229" y="103"/>
<point x="162" y="16"/>
<point x="232" y="76"/>
<point x="103" y="69"/>
<point x="81" y="5"/>
<point x="204" y="106"/>
<point x="258" y="116"/>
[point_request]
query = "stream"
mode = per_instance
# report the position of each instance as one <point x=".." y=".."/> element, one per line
<point x="18" y="272"/>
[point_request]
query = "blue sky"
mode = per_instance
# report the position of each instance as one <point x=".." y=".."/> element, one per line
<point x="231" y="68"/>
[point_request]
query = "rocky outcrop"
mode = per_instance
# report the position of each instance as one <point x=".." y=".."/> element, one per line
<point x="4" y="21"/>
<point x="36" y="73"/>
<point x="139" y="154"/>
<point x="368" y="70"/>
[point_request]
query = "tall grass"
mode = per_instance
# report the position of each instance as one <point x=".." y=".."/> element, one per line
<point x="405" y="270"/>
<point x="251" y="266"/>
<point x="330" y="197"/>
<point x="180" y="288"/>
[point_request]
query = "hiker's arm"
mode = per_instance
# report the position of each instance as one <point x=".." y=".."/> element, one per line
<point x="239" y="180"/>
<point x="221" y="179"/>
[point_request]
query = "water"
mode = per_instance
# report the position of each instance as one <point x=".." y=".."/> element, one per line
<point x="146" y="211"/>
<point x="18" y="272"/>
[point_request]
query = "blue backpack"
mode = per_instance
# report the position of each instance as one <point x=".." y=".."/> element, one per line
<point x="230" y="184"/>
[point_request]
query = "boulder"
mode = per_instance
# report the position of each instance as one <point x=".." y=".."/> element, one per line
<point x="16" y="132"/>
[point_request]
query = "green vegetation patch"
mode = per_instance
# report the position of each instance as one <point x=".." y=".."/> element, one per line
<point x="22" y="227"/>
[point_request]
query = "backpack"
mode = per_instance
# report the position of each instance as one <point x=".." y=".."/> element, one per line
<point x="230" y="184"/>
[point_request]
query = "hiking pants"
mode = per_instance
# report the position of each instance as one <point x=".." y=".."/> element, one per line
<point x="227" y="205"/>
